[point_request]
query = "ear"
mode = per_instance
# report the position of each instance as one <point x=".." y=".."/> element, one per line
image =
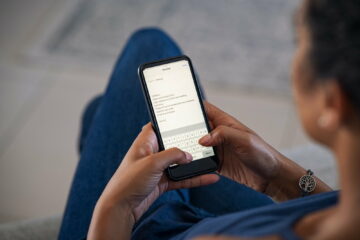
<point x="336" y="108"/>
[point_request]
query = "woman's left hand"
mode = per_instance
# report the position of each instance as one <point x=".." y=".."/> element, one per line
<point x="136" y="184"/>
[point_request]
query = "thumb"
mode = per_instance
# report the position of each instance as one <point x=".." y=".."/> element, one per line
<point x="224" y="134"/>
<point x="164" y="159"/>
<point x="145" y="144"/>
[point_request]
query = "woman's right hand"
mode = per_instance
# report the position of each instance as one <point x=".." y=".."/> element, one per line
<point x="244" y="156"/>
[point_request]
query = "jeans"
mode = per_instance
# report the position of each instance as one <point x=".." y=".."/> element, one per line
<point x="110" y="124"/>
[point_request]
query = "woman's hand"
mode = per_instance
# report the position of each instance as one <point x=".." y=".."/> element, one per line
<point x="136" y="184"/>
<point x="243" y="155"/>
<point x="246" y="158"/>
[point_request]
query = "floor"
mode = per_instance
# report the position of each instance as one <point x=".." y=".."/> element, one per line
<point x="42" y="98"/>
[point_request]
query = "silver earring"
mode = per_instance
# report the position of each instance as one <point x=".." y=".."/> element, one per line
<point x="323" y="121"/>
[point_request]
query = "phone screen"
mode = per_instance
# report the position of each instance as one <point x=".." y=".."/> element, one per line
<point x="177" y="107"/>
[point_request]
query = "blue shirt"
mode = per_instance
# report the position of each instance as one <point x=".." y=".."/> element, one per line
<point x="178" y="220"/>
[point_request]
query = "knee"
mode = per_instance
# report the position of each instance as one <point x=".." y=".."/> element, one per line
<point x="146" y="45"/>
<point x="149" y="33"/>
<point x="148" y="39"/>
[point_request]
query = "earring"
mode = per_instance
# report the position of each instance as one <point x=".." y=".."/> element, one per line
<point x="323" y="121"/>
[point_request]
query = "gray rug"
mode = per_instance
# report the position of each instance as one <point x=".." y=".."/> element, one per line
<point x="234" y="43"/>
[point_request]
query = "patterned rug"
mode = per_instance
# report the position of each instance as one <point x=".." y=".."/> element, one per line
<point x="243" y="44"/>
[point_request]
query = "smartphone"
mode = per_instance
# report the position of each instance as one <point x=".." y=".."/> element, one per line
<point x="177" y="113"/>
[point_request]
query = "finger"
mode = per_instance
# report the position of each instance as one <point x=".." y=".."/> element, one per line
<point x="198" y="181"/>
<point x="164" y="159"/>
<point x="218" y="117"/>
<point x="224" y="134"/>
<point x="215" y="114"/>
<point x="145" y="143"/>
<point x="217" y="238"/>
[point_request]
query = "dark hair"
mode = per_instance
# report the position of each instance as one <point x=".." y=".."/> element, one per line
<point x="334" y="29"/>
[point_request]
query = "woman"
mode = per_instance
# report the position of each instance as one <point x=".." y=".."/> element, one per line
<point x="132" y="199"/>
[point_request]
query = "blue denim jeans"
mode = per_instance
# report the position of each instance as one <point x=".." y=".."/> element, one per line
<point x="111" y="123"/>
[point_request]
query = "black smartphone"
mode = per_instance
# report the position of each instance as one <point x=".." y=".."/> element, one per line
<point x="177" y="113"/>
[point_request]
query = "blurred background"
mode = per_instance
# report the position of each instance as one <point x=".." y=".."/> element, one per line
<point x="58" y="54"/>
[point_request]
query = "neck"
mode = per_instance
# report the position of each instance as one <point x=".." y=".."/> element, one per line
<point x="347" y="152"/>
<point x="341" y="221"/>
<point x="346" y="217"/>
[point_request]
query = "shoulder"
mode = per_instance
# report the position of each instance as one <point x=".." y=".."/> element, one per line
<point x="236" y="238"/>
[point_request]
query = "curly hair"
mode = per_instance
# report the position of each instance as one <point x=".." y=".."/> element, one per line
<point x="334" y="27"/>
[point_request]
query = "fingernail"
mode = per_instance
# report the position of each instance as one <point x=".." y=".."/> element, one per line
<point x="188" y="156"/>
<point x="205" y="139"/>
